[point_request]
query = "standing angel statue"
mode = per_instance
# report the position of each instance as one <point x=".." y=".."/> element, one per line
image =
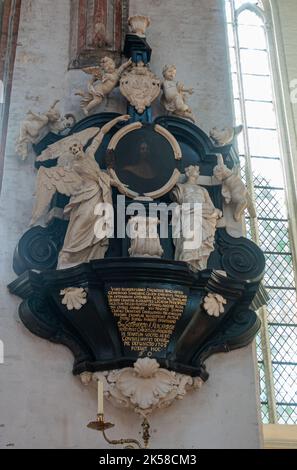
<point x="102" y="83"/>
<point x="191" y="193"/>
<point x="79" y="176"/>
<point x="174" y="94"/>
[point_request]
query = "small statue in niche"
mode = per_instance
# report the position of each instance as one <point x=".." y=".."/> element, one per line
<point x="79" y="176"/>
<point x="104" y="80"/>
<point x="174" y="94"/>
<point x="234" y="190"/>
<point x="34" y="125"/>
<point x="145" y="240"/>
<point x="225" y="136"/>
<point x="192" y="193"/>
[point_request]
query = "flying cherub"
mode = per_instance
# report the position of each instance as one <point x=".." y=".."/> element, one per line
<point x="104" y="80"/>
<point x="79" y="176"/>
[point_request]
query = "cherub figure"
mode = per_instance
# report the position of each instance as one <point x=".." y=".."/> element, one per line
<point x="174" y="94"/>
<point x="234" y="190"/>
<point x="34" y="124"/>
<point x="224" y="136"/>
<point x="79" y="176"/>
<point x="102" y="83"/>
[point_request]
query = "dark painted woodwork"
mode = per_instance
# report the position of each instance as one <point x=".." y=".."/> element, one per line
<point x="92" y="333"/>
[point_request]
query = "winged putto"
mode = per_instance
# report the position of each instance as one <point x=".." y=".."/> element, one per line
<point x="104" y="80"/>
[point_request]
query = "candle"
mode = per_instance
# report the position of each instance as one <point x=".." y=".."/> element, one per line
<point x="100" y="398"/>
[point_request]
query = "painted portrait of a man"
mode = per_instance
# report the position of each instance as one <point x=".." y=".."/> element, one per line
<point x="138" y="163"/>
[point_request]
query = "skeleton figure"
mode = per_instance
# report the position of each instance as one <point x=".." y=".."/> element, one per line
<point x="79" y="176"/>
<point x="102" y="83"/>
<point x="174" y="94"/>
<point x="34" y="124"/>
<point x="190" y="193"/>
<point x="233" y="190"/>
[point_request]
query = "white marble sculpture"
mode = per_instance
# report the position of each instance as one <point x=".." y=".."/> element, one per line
<point x="104" y="80"/>
<point x="214" y="305"/>
<point x="140" y="86"/>
<point x="174" y="94"/>
<point x="138" y="25"/>
<point x="145" y="387"/>
<point x="191" y="193"/>
<point x="226" y="136"/>
<point x="35" y="124"/>
<point x="145" y="241"/>
<point x="234" y="190"/>
<point x="79" y="176"/>
<point x="74" y="298"/>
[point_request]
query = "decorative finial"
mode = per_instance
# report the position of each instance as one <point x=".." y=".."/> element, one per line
<point x="138" y="25"/>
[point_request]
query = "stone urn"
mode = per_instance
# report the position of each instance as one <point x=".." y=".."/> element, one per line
<point x="138" y="25"/>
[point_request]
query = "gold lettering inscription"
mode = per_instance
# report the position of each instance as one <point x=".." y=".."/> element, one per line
<point x="146" y="317"/>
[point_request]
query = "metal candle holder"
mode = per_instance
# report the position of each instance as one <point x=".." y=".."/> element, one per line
<point x="102" y="426"/>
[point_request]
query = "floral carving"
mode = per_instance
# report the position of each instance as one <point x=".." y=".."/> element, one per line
<point x="214" y="305"/>
<point x="74" y="298"/>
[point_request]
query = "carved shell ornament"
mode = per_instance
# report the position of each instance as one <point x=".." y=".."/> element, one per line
<point x="214" y="305"/>
<point x="74" y="298"/>
<point x="146" y="383"/>
<point x="144" y="387"/>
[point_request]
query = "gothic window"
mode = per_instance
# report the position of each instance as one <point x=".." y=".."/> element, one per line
<point x="97" y="29"/>
<point x="262" y="162"/>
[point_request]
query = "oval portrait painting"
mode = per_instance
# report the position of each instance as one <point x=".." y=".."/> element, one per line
<point x="144" y="160"/>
